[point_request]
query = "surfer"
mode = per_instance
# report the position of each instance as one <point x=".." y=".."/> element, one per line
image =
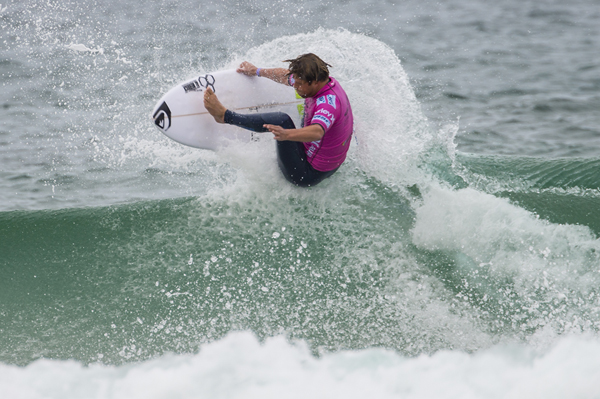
<point x="309" y="154"/>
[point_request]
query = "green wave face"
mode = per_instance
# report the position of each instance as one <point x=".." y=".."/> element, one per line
<point x="341" y="267"/>
<point x="134" y="281"/>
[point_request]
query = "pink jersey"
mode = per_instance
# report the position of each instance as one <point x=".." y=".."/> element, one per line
<point x="330" y="109"/>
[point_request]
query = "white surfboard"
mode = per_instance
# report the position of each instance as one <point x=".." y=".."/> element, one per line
<point x="180" y="113"/>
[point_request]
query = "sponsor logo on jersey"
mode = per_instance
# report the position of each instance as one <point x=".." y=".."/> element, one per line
<point x="326" y="113"/>
<point x="331" y="100"/>
<point x="313" y="147"/>
<point x="323" y="119"/>
<point x="321" y="100"/>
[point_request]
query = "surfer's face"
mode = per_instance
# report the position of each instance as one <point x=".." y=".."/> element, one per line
<point x="304" y="89"/>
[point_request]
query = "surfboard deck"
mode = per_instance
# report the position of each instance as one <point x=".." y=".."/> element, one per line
<point x="181" y="116"/>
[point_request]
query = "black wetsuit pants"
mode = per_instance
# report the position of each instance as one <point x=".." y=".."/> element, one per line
<point x="290" y="154"/>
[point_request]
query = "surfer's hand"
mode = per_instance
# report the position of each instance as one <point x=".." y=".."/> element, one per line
<point x="278" y="132"/>
<point x="247" y="69"/>
<point x="305" y="135"/>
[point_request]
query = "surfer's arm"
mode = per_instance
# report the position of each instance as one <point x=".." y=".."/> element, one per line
<point x="306" y="134"/>
<point x="279" y="75"/>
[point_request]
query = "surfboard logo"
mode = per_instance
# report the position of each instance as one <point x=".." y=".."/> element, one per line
<point x="203" y="82"/>
<point x="162" y="117"/>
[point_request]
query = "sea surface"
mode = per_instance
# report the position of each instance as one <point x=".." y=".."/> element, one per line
<point x="454" y="255"/>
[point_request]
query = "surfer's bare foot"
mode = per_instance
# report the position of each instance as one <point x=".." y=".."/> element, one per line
<point x="214" y="106"/>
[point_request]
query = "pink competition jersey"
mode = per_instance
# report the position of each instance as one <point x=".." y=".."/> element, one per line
<point x="330" y="109"/>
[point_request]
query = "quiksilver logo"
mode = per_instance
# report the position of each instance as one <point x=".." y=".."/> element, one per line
<point x="162" y="117"/>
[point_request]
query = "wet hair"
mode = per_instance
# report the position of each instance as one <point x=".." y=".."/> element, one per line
<point x="309" y="67"/>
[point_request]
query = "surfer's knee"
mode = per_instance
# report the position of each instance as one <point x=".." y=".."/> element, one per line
<point x="280" y="119"/>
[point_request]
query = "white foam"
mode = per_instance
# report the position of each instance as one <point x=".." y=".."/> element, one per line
<point x="238" y="366"/>
<point x="82" y="48"/>
<point x="488" y="229"/>
<point x="537" y="262"/>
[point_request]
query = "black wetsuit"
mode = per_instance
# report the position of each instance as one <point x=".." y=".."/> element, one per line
<point x="291" y="155"/>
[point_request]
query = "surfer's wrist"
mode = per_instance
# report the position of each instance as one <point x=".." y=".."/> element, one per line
<point x="258" y="72"/>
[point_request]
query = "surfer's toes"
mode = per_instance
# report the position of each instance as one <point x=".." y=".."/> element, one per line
<point x="214" y="106"/>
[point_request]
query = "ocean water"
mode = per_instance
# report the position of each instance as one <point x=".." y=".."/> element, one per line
<point x="455" y="253"/>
